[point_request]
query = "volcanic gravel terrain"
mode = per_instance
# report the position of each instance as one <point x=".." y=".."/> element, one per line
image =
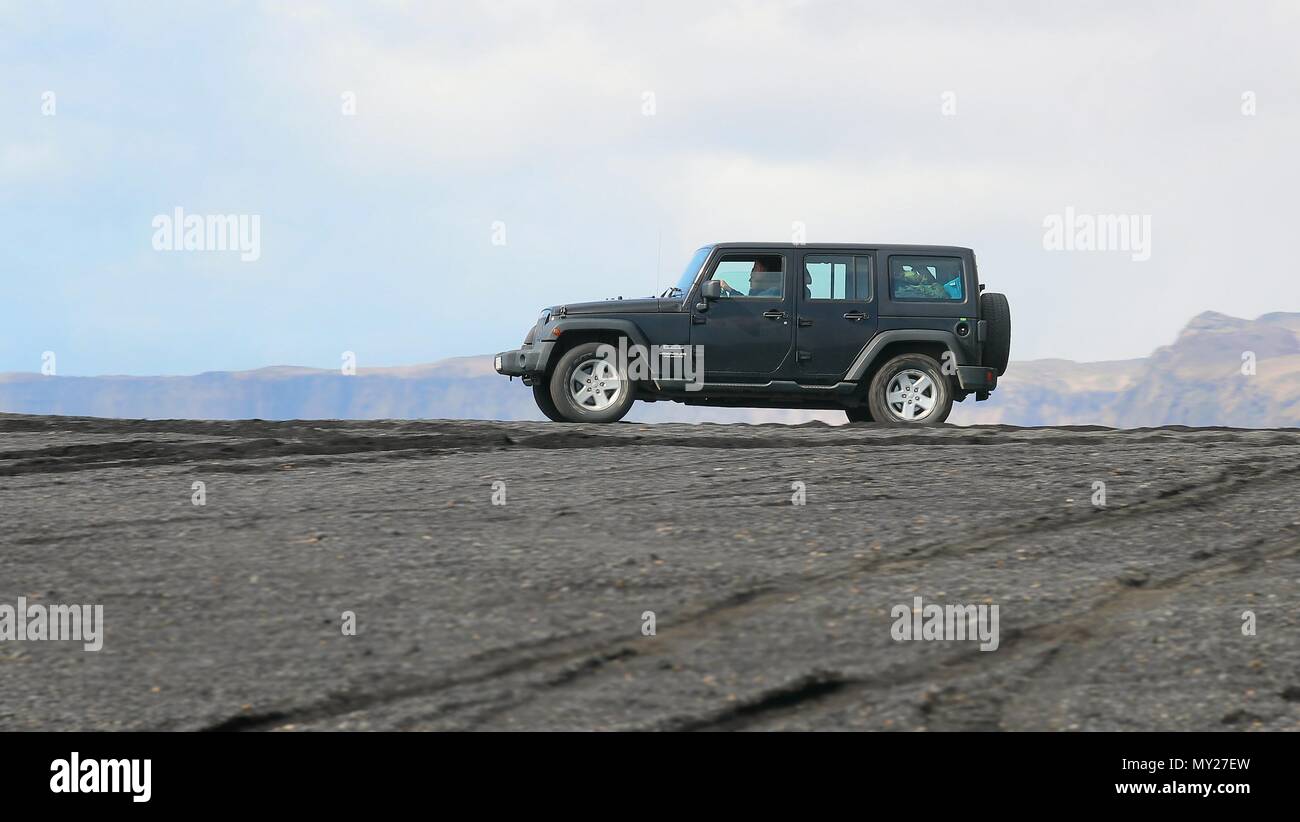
<point x="530" y="614"/>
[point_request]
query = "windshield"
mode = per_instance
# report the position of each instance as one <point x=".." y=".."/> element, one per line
<point x="692" y="268"/>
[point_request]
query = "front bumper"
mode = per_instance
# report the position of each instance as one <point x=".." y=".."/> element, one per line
<point x="523" y="362"/>
<point x="979" y="378"/>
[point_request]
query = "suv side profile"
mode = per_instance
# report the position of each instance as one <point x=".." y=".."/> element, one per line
<point x="887" y="333"/>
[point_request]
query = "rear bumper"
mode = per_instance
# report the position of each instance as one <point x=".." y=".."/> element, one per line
<point x="522" y="362"/>
<point x="979" y="378"/>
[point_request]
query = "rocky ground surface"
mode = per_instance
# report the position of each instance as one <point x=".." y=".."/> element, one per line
<point x="530" y="615"/>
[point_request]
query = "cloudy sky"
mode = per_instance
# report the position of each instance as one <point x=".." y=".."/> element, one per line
<point x="385" y="146"/>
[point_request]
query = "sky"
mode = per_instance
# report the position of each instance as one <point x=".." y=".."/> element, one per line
<point x="425" y="177"/>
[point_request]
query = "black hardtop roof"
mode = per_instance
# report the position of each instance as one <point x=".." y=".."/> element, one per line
<point x="905" y="249"/>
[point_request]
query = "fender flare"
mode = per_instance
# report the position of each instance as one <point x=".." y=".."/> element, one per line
<point x="627" y="328"/>
<point x="871" y="351"/>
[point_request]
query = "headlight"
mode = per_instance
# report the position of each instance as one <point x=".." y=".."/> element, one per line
<point x="497" y="365"/>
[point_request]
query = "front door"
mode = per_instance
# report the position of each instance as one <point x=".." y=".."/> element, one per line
<point x="747" y="334"/>
<point x="836" y="313"/>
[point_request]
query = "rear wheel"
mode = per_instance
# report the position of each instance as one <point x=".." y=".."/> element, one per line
<point x="542" y="396"/>
<point x="588" y="386"/>
<point x="910" y="389"/>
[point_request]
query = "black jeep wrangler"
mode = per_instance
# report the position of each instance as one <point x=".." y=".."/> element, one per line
<point x="888" y="333"/>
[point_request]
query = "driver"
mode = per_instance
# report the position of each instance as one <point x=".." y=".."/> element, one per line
<point x="764" y="280"/>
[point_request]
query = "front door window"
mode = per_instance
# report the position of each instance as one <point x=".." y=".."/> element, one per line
<point x="752" y="275"/>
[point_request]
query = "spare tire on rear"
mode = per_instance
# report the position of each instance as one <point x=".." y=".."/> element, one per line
<point x="996" y="312"/>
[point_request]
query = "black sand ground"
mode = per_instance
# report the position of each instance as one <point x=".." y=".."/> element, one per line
<point x="529" y="615"/>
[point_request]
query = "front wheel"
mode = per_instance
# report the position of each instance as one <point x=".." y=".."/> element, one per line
<point x="588" y="385"/>
<point x="860" y="414"/>
<point x="542" y="396"/>
<point x="910" y="389"/>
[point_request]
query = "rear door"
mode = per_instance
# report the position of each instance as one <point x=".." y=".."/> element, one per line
<point x="836" y="312"/>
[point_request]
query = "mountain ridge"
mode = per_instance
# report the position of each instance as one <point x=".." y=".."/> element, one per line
<point x="1198" y="379"/>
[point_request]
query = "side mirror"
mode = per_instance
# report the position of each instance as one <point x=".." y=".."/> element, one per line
<point x="711" y="290"/>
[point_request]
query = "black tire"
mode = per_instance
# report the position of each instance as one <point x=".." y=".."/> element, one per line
<point x="578" y="357"/>
<point x="938" y="390"/>
<point x="996" y="312"/>
<point x="542" y="396"/>
<point x="860" y="414"/>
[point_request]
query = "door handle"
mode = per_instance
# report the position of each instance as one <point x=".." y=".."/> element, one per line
<point x="855" y="316"/>
<point x="804" y="322"/>
<point x="774" y="315"/>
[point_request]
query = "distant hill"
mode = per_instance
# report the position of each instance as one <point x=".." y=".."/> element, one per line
<point x="1197" y="380"/>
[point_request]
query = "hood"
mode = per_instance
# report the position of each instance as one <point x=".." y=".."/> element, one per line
<point x="641" y="305"/>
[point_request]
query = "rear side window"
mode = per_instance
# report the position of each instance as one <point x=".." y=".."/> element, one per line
<point x="827" y="278"/>
<point x="837" y="277"/>
<point x="926" y="278"/>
